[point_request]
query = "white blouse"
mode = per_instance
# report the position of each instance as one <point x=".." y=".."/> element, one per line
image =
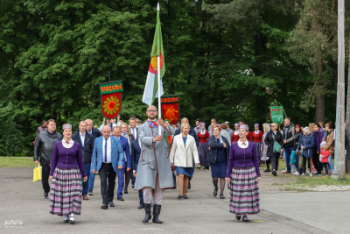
<point x="240" y="144"/>
<point x="68" y="145"/>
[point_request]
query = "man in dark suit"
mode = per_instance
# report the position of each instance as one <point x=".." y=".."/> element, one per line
<point x="192" y="133"/>
<point x="127" y="165"/>
<point x="96" y="133"/>
<point x="135" y="156"/>
<point x="93" y="131"/>
<point x="86" y="142"/>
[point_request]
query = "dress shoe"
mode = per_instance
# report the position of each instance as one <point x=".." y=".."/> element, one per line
<point x="156" y="212"/>
<point x="215" y="193"/>
<point x="238" y="217"/>
<point x="245" y="219"/>
<point x="185" y="197"/>
<point x="104" y="206"/>
<point x="85" y="197"/>
<point x="90" y="193"/>
<point x="148" y="215"/>
<point x="126" y="192"/>
<point x="267" y="170"/>
<point x="274" y="173"/>
<point x="286" y="172"/>
<point x="46" y="195"/>
<point x="71" y="220"/>
<point x="179" y="197"/>
<point x="222" y="196"/>
<point x="66" y="219"/>
<point x="189" y="185"/>
<point x="111" y="204"/>
<point x="133" y="186"/>
<point x="141" y="206"/>
<point x="120" y="199"/>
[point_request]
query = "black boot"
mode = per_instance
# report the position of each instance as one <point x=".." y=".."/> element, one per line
<point x="156" y="212"/>
<point x="148" y="215"/>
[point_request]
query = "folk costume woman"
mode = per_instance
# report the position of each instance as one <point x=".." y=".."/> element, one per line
<point x="235" y="135"/>
<point x="67" y="168"/>
<point x="243" y="176"/>
<point x="203" y="149"/>
<point x="257" y="139"/>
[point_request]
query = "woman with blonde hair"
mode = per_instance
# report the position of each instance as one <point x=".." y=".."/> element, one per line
<point x="183" y="153"/>
<point x="266" y="129"/>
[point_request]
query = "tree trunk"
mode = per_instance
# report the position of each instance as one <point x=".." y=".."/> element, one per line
<point x="320" y="101"/>
<point x="347" y="160"/>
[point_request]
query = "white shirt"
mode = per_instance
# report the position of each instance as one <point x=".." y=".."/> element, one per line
<point x="82" y="139"/>
<point x="236" y="132"/>
<point x="256" y="131"/>
<point x="240" y="144"/>
<point x="134" y="132"/>
<point x="109" y="149"/>
<point x="68" y="146"/>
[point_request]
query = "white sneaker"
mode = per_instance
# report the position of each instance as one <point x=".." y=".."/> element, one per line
<point x="296" y="173"/>
<point x="199" y="166"/>
<point x="303" y="174"/>
<point x="292" y="171"/>
<point x="284" y="170"/>
<point x="310" y="174"/>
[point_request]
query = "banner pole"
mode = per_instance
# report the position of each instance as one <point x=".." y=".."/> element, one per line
<point x="159" y="93"/>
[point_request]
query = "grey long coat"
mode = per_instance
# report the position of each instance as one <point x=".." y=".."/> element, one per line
<point x="154" y="159"/>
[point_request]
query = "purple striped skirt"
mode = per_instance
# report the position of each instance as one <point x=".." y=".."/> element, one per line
<point x="66" y="192"/>
<point x="203" y="152"/>
<point x="244" y="191"/>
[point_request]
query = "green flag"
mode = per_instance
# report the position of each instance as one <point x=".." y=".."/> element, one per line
<point x="151" y="87"/>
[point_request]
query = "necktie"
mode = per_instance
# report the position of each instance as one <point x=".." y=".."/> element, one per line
<point x="243" y="143"/>
<point x="106" y="151"/>
<point x="67" y="142"/>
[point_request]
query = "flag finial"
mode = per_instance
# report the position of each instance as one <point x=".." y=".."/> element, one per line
<point x="157" y="6"/>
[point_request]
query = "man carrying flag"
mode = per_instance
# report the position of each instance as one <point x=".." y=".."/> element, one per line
<point x="153" y="170"/>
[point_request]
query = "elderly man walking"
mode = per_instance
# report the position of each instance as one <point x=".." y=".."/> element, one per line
<point x="153" y="171"/>
<point x="108" y="159"/>
<point x="44" y="143"/>
<point x="86" y="142"/>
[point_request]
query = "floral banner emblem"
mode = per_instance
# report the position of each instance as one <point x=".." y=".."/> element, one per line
<point x="171" y="108"/>
<point x="111" y="98"/>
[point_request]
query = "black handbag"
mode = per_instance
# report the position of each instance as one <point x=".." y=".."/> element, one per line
<point x="174" y="180"/>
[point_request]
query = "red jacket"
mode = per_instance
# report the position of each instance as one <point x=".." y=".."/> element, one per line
<point x="325" y="154"/>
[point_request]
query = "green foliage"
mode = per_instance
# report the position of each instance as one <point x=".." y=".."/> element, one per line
<point x="226" y="59"/>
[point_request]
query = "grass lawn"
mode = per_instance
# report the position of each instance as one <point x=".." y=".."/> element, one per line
<point x="307" y="181"/>
<point x="23" y="162"/>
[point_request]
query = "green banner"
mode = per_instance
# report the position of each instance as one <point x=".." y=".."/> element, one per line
<point x="111" y="87"/>
<point x="277" y="114"/>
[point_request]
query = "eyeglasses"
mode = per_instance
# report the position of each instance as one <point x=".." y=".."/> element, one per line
<point x="152" y="110"/>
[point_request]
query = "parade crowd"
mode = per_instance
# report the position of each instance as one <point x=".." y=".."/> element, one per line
<point x="154" y="154"/>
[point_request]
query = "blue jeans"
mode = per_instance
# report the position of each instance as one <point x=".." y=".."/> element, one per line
<point x="91" y="180"/>
<point x="288" y="151"/>
<point x="85" y="184"/>
<point x="121" y="181"/>
<point x="331" y="168"/>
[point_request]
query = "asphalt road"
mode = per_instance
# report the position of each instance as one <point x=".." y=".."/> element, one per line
<point x="24" y="210"/>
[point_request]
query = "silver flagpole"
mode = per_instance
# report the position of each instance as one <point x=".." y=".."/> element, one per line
<point x="159" y="94"/>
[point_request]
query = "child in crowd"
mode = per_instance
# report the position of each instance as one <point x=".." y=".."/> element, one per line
<point x="324" y="156"/>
